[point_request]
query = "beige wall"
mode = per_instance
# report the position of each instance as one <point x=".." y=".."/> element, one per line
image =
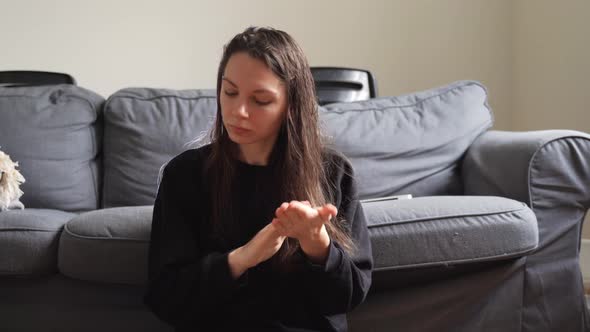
<point x="409" y="45"/>
<point x="551" y="64"/>
<point x="552" y="67"/>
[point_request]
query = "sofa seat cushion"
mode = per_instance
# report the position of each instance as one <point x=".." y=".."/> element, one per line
<point x="108" y="245"/>
<point x="447" y="230"/>
<point x="29" y="240"/>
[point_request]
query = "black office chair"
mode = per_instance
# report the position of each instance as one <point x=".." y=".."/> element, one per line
<point x="337" y="84"/>
<point x="16" y="78"/>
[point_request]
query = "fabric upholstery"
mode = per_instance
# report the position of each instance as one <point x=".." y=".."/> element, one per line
<point x="54" y="133"/>
<point x="115" y="240"/>
<point x="144" y="129"/>
<point x="549" y="170"/>
<point x="409" y="144"/>
<point x="444" y="230"/>
<point x="29" y="241"/>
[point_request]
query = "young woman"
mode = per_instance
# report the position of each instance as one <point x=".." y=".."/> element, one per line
<point x="260" y="230"/>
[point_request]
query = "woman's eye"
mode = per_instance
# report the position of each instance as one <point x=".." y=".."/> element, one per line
<point x="262" y="103"/>
<point x="230" y="93"/>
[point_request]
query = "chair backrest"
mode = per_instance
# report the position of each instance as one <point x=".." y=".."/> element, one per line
<point x="338" y="84"/>
<point x="29" y="78"/>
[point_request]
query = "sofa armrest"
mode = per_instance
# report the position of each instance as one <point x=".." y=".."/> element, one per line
<point x="539" y="168"/>
<point x="550" y="172"/>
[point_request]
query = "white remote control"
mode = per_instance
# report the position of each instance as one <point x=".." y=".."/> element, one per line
<point x="408" y="196"/>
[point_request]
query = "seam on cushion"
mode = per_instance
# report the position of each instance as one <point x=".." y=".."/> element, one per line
<point x="448" y="216"/>
<point x="52" y="159"/>
<point x="164" y="96"/>
<point x="459" y="261"/>
<point x="68" y="93"/>
<point x="77" y="236"/>
<point x="110" y="99"/>
<point x="105" y="152"/>
<point x="22" y="229"/>
<point x="33" y="212"/>
<point x="94" y="184"/>
<point x="18" y="96"/>
<point x="93" y="139"/>
<point x="449" y="89"/>
<point x="94" y="175"/>
<point x="94" y="147"/>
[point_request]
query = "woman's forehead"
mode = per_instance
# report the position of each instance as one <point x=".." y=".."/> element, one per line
<point x="246" y="72"/>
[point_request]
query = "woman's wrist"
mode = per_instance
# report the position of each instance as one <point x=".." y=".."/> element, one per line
<point x="237" y="262"/>
<point x="316" y="248"/>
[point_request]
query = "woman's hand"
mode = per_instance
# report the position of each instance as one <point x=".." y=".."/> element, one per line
<point x="307" y="224"/>
<point x="260" y="248"/>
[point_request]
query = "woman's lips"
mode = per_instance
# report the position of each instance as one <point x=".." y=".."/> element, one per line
<point x="238" y="130"/>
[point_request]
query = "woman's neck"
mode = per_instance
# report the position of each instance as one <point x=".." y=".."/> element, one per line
<point x="254" y="154"/>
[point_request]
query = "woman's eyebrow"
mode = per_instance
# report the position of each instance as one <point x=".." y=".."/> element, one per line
<point x="266" y="91"/>
<point x="261" y="90"/>
<point x="229" y="81"/>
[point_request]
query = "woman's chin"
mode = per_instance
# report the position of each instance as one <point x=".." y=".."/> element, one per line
<point x="239" y="139"/>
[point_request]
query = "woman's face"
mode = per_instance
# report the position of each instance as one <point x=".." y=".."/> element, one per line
<point x="253" y="101"/>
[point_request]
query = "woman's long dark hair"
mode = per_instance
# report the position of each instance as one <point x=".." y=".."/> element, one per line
<point x="297" y="153"/>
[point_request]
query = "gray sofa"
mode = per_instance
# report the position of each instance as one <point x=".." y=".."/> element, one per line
<point x="490" y="241"/>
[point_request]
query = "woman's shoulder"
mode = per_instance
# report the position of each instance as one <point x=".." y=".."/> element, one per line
<point x="188" y="161"/>
<point x="335" y="161"/>
<point x="338" y="170"/>
<point x="339" y="174"/>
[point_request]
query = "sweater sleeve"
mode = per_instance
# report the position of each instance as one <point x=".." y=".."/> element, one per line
<point x="183" y="283"/>
<point x="343" y="281"/>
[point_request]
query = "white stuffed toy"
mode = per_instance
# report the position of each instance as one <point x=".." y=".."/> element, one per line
<point x="10" y="180"/>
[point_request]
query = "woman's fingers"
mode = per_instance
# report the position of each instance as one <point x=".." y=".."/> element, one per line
<point x="300" y="210"/>
<point x="281" y="209"/>
<point x="279" y="226"/>
<point x="333" y="210"/>
<point x="287" y="216"/>
<point x="295" y="216"/>
<point x="296" y="210"/>
<point x="327" y="212"/>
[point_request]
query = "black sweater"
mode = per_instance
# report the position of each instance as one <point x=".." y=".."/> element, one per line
<point x="190" y="284"/>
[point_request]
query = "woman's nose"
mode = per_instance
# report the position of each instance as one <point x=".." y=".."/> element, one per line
<point x="241" y="110"/>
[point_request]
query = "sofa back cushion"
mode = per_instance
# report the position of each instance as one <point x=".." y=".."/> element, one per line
<point x="144" y="129"/>
<point x="54" y="133"/>
<point x="409" y="144"/>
